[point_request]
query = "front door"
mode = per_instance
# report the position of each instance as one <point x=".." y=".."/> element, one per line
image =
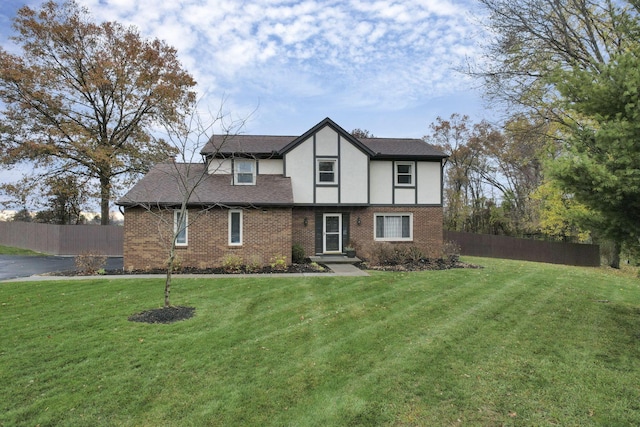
<point x="332" y="233"/>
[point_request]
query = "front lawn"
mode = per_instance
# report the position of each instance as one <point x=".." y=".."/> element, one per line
<point x="10" y="250"/>
<point x="515" y="343"/>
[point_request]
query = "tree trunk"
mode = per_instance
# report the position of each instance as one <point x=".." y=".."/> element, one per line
<point x="615" y="255"/>
<point x="167" y="283"/>
<point x="105" y="198"/>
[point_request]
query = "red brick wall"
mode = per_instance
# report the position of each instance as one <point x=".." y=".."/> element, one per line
<point x="266" y="234"/>
<point x="427" y="228"/>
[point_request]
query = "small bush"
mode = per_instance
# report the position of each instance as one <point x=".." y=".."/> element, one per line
<point x="297" y="254"/>
<point x="451" y="251"/>
<point x="90" y="263"/>
<point x="385" y="254"/>
<point x="278" y="263"/>
<point x="414" y="254"/>
<point x="255" y="264"/>
<point x="232" y="263"/>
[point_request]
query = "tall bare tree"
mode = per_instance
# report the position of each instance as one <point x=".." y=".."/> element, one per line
<point x="535" y="37"/>
<point x="84" y="97"/>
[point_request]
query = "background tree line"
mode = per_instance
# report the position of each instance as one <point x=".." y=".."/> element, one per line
<point x="82" y="101"/>
<point x="567" y="163"/>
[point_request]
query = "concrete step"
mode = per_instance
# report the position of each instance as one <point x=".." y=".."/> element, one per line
<point x="334" y="259"/>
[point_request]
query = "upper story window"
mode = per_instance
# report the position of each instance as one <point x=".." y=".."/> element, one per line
<point x="326" y="171"/>
<point x="404" y="173"/>
<point x="244" y="172"/>
<point x="180" y="227"/>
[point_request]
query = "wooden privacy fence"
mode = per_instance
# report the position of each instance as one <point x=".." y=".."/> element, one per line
<point x="485" y="245"/>
<point x="63" y="239"/>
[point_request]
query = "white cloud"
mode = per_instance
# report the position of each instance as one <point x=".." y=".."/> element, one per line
<point x="379" y="54"/>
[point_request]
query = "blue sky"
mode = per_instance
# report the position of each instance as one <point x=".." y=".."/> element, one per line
<point x="387" y="66"/>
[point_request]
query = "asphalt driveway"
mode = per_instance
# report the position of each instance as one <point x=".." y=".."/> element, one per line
<point x="14" y="266"/>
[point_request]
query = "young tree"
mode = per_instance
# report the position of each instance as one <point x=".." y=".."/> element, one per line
<point x="186" y="177"/>
<point x="83" y="97"/>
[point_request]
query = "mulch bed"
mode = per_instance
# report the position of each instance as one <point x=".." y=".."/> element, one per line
<point x="293" y="268"/>
<point x="423" y="265"/>
<point x="164" y="315"/>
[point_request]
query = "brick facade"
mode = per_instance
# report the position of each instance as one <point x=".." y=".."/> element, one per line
<point x="266" y="235"/>
<point x="427" y="228"/>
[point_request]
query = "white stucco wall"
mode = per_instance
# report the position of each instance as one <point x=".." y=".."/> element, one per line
<point x="354" y="174"/>
<point x="429" y="177"/>
<point x="326" y="142"/>
<point x="381" y="173"/>
<point x="327" y="195"/>
<point x="270" y="167"/>
<point x="220" y="166"/>
<point x="299" y="167"/>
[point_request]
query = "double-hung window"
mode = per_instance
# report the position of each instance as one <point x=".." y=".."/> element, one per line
<point x="404" y="173"/>
<point x="235" y="228"/>
<point x="244" y="172"/>
<point x="394" y="227"/>
<point x="326" y="171"/>
<point x="180" y="227"/>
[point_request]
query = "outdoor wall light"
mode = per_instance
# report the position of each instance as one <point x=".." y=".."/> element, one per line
<point x="305" y="221"/>
<point x="358" y="221"/>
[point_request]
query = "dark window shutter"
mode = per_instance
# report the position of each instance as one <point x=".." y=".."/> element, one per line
<point x="319" y="228"/>
<point x="345" y="229"/>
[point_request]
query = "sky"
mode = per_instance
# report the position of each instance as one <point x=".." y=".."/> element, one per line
<point x="387" y="66"/>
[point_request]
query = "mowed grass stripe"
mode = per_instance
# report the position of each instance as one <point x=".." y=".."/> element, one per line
<point x="512" y="344"/>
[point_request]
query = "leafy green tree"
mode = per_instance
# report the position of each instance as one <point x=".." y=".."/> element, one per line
<point x="83" y="98"/>
<point x="600" y="161"/>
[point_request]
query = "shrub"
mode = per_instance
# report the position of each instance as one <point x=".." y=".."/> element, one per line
<point x="451" y="251"/>
<point x="232" y="263"/>
<point x="255" y="264"/>
<point x="297" y="254"/>
<point x="89" y="263"/>
<point x="279" y="263"/>
<point x="414" y="254"/>
<point x="386" y="254"/>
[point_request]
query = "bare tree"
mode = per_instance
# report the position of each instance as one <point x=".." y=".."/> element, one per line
<point x="532" y="38"/>
<point x="186" y="175"/>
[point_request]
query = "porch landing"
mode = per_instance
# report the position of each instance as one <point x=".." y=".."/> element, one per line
<point x="334" y="259"/>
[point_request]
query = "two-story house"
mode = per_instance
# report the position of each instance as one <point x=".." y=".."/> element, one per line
<point x="256" y="196"/>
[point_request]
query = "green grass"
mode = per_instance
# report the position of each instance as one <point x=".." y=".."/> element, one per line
<point x="514" y="343"/>
<point x="10" y="250"/>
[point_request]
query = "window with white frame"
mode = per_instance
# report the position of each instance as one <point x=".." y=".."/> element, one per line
<point x="180" y="227"/>
<point x="235" y="228"/>
<point x="394" y="227"/>
<point x="326" y="171"/>
<point x="244" y="172"/>
<point x="404" y="173"/>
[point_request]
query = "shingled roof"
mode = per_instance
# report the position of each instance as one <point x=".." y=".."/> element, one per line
<point x="261" y="146"/>
<point x="161" y="187"/>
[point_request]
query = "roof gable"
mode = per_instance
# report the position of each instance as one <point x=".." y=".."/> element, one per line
<point x="274" y="146"/>
<point x="324" y="123"/>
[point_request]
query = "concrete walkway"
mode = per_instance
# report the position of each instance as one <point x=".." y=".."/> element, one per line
<point x="337" y="270"/>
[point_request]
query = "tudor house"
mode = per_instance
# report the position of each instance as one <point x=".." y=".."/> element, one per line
<point x="257" y="196"/>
